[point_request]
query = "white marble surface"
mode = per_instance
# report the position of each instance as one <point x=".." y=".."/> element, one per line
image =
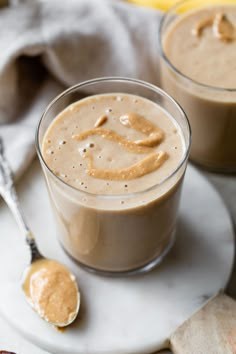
<point x="226" y="186"/>
<point x="183" y="290"/>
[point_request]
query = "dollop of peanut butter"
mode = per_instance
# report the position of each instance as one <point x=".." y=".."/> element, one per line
<point x="101" y="120"/>
<point x="143" y="125"/>
<point x="222" y="28"/>
<point x="145" y="146"/>
<point x="52" y="291"/>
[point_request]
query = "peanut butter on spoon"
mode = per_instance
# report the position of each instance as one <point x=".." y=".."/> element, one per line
<point x="52" y="291"/>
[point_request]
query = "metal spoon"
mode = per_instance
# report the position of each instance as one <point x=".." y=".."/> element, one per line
<point x="8" y="192"/>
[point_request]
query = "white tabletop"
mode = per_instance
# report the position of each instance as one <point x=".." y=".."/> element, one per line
<point x="185" y="295"/>
<point x="225" y="184"/>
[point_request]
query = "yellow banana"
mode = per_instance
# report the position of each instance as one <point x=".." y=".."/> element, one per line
<point x="164" y="5"/>
<point x="159" y="4"/>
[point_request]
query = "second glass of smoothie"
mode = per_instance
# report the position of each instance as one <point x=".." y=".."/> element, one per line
<point x="114" y="154"/>
<point x="198" y="68"/>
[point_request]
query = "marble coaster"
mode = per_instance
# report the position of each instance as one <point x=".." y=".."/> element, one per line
<point x="121" y="315"/>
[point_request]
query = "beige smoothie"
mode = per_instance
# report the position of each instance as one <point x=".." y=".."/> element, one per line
<point x="199" y="71"/>
<point x="113" y="151"/>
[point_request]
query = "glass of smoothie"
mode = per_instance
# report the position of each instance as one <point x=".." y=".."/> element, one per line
<point x="198" y="68"/>
<point x="114" y="153"/>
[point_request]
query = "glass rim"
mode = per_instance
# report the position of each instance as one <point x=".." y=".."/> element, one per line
<point x="168" y="62"/>
<point x="105" y="80"/>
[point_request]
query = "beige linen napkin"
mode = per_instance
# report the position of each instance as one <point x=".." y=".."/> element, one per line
<point x="46" y="46"/>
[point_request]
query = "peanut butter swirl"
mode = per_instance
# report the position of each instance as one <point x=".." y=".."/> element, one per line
<point x="145" y="146"/>
<point x="111" y="135"/>
<point x="141" y="124"/>
<point x="149" y="164"/>
<point x="222" y="28"/>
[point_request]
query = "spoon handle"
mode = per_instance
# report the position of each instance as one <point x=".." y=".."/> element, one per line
<point x="8" y="193"/>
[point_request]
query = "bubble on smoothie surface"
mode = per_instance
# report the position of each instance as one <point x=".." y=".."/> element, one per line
<point x="90" y="145"/>
<point x="82" y="151"/>
<point x="49" y="152"/>
<point x="71" y="107"/>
